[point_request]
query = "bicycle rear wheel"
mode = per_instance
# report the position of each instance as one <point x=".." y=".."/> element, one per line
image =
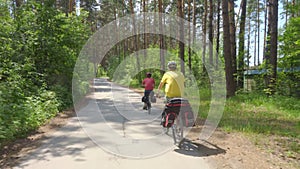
<point x="149" y="107"/>
<point x="177" y="131"/>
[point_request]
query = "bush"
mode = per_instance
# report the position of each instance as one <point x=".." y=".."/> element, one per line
<point x="24" y="114"/>
<point x="63" y="96"/>
<point x="40" y="109"/>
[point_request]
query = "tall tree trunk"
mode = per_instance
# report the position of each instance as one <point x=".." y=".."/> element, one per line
<point x="286" y="11"/>
<point x="161" y="37"/>
<point x="71" y="5"/>
<point x="194" y="24"/>
<point x="135" y="45"/>
<point x="230" y="83"/>
<point x="194" y="21"/>
<point x="181" y="36"/>
<point x="265" y="30"/>
<point x="232" y="36"/>
<point x="254" y="51"/>
<point x="204" y="34"/>
<point x="258" y="33"/>
<point x="145" y="29"/>
<point x="248" y="49"/>
<point x="153" y="38"/>
<point x="241" y="55"/>
<point x="218" y="34"/>
<point x="124" y="43"/>
<point x="210" y="31"/>
<point x="117" y="47"/>
<point x="271" y="55"/>
<point x="189" y="37"/>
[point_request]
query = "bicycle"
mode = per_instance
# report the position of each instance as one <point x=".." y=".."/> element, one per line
<point x="177" y="115"/>
<point x="148" y="102"/>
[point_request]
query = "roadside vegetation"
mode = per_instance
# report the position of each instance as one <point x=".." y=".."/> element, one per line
<point x="271" y="122"/>
<point x="39" y="46"/>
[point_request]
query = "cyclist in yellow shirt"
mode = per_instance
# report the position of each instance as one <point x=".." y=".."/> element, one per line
<point x="173" y="81"/>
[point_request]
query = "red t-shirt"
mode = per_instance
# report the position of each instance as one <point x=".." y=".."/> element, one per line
<point x="149" y="83"/>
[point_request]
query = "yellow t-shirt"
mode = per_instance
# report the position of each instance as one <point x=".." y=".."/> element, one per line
<point x="174" y="83"/>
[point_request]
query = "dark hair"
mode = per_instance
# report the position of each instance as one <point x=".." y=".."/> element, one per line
<point x="148" y="74"/>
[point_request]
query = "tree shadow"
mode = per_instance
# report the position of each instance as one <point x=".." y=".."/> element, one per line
<point x="51" y="145"/>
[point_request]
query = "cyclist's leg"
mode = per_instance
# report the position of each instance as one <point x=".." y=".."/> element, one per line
<point x="177" y="131"/>
<point x="180" y="125"/>
<point x="147" y="101"/>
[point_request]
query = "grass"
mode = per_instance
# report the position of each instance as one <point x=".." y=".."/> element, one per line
<point x="269" y="121"/>
<point x="256" y="113"/>
<point x="265" y="118"/>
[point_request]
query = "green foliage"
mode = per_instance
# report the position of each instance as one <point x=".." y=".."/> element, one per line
<point x="289" y="80"/>
<point x="63" y="96"/>
<point x="23" y="114"/>
<point x="101" y="72"/>
<point x="39" y="46"/>
<point x="38" y="109"/>
<point x="112" y="64"/>
<point x="23" y="106"/>
<point x="205" y="101"/>
<point x="288" y="84"/>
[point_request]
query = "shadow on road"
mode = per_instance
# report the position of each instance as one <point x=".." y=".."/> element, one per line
<point x="55" y="146"/>
<point x="203" y="149"/>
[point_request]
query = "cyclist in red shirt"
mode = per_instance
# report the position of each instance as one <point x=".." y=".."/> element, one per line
<point x="149" y="84"/>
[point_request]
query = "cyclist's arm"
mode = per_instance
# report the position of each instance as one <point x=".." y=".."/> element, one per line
<point x="143" y="83"/>
<point x="160" y="86"/>
<point x="162" y="83"/>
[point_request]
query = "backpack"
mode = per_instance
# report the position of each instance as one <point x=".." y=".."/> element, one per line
<point x="144" y="99"/>
<point x="152" y="97"/>
<point x="168" y="119"/>
<point x="177" y="105"/>
<point x="187" y="117"/>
